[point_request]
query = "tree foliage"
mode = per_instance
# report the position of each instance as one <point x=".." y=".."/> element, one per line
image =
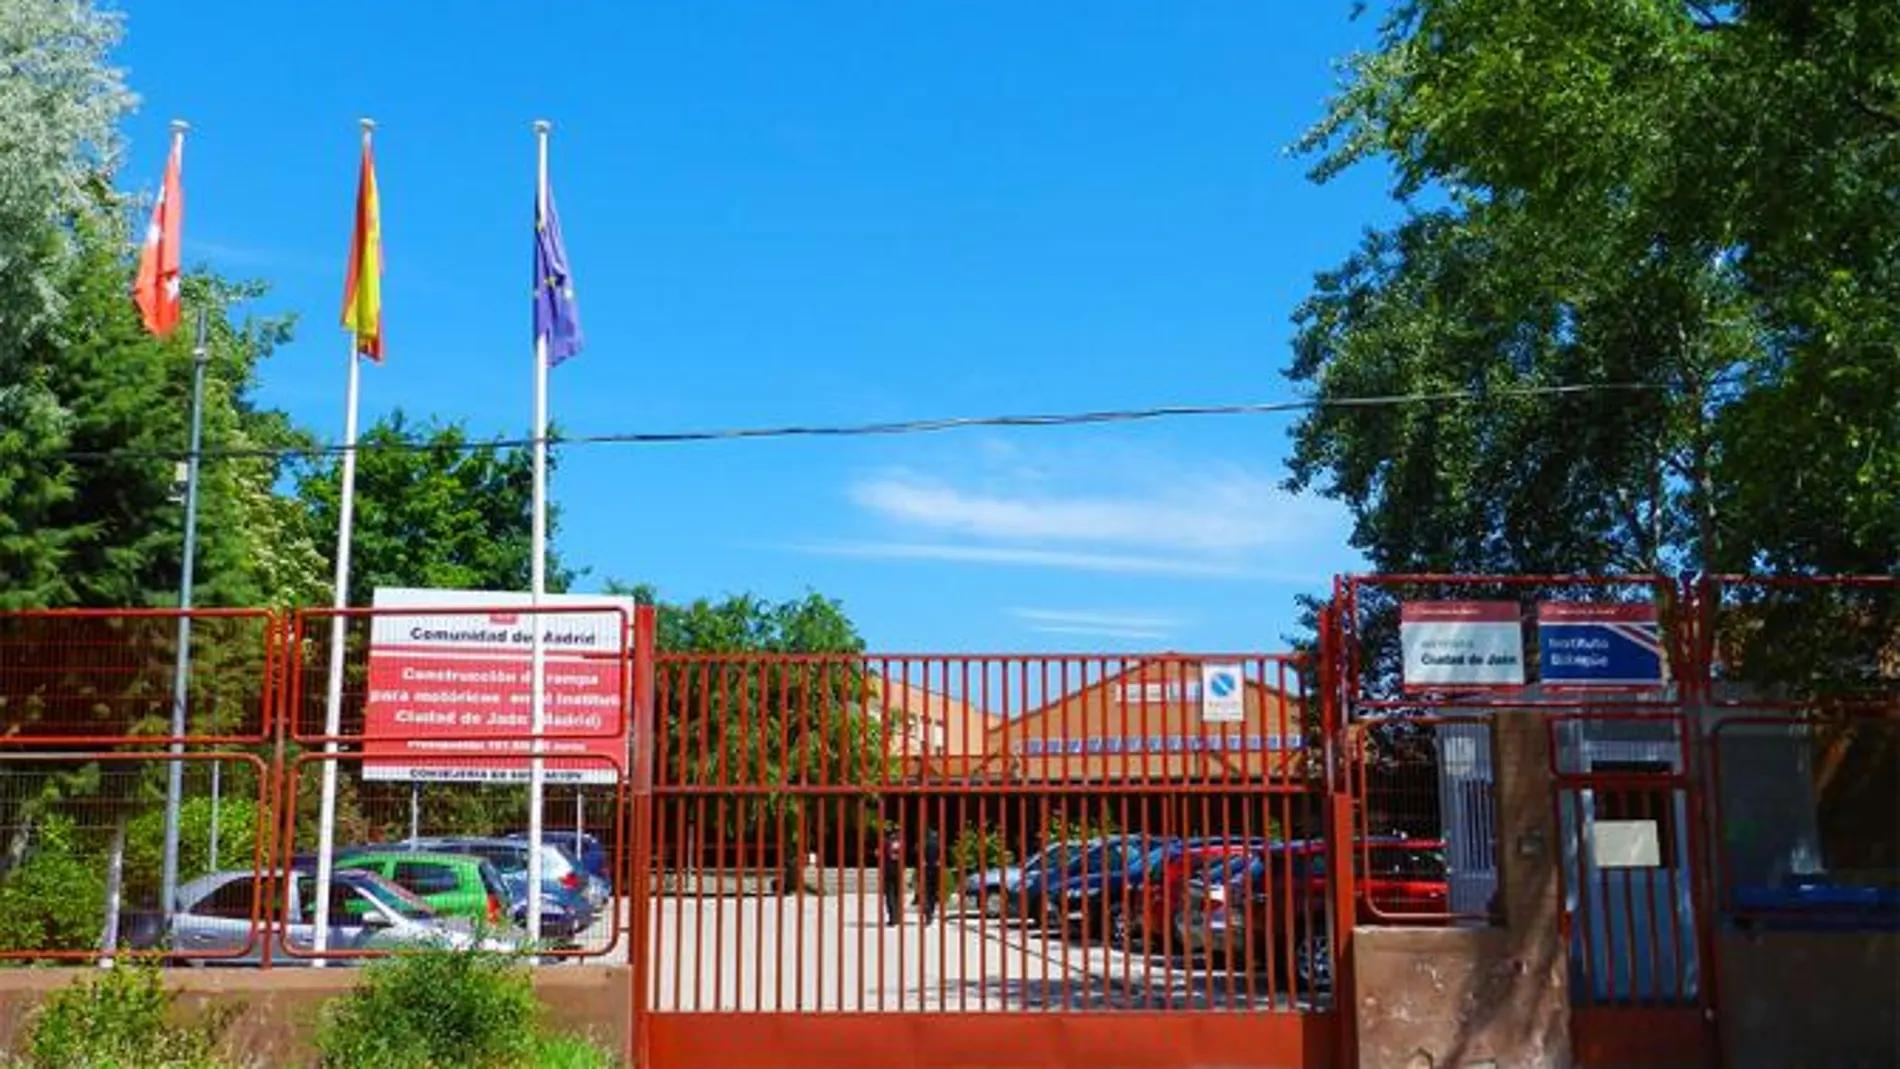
<point x="756" y="692"/>
<point x="1693" y="203"/>
<point x="431" y="512"/>
<point x="60" y="105"/>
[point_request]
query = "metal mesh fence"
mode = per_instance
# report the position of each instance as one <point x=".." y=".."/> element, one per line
<point x="101" y="677"/>
<point x="458" y="842"/>
<point x="1425" y="849"/>
<point x="81" y="849"/>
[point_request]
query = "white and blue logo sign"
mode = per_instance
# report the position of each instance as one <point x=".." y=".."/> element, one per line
<point x="1223" y="699"/>
<point x="1586" y="645"/>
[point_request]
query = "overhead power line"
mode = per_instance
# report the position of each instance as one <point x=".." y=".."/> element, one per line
<point x="898" y="427"/>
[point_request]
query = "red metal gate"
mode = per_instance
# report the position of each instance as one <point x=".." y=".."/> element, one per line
<point x="1004" y="861"/>
<point x="1635" y="917"/>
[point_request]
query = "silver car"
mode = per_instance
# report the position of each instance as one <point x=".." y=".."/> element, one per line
<point x="367" y="912"/>
<point x="1220" y="916"/>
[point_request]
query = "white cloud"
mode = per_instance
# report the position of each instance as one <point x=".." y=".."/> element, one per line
<point x="1101" y="632"/>
<point x="1222" y="511"/>
<point x="1106" y="624"/>
<point x="1102" y="508"/>
<point x="1094" y="618"/>
<point x="1122" y="563"/>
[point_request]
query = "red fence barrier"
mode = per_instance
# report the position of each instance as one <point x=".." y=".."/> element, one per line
<point x="83" y="832"/>
<point x="80" y="677"/>
<point x="1038" y="798"/>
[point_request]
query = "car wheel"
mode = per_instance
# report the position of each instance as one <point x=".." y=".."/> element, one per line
<point x="1115" y="928"/>
<point x="1313" y="963"/>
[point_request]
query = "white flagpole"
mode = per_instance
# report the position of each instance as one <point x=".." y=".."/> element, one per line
<point x="175" y="774"/>
<point x="537" y="772"/>
<point x="333" y="700"/>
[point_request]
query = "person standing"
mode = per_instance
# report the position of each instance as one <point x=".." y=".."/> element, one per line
<point x="930" y="864"/>
<point x="891" y="876"/>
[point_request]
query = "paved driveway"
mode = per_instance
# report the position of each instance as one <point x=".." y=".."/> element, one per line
<point x="834" y="953"/>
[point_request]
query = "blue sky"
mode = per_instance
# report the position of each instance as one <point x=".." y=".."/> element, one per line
<point x="818" y="213"/>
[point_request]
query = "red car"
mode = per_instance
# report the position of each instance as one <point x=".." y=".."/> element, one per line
<point x="1161" y="892"/>
<point x="1396" y="877"/>
<point x="1406" y="879"/>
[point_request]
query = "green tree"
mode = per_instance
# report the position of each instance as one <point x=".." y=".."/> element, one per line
<point x="431" y="511"/>
<point x="60" y="105"/>
<point x="756" y="692"/>
<point x="1693" y="201"/>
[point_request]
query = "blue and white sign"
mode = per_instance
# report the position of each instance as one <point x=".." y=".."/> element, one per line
<point x="1223" y="694"/>
<point x="1587" y="645"/>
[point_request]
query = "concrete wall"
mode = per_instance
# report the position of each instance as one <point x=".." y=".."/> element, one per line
<point x="281" y="1006"/>
<point x="1447" y="998"/>
<point x="1794" y="1000"/>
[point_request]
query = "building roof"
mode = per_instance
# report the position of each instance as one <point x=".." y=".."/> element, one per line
<point x="934" y="723"/>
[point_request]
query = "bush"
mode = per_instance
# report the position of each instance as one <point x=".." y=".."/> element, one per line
<point x="571" y="1052"/>
<point x="433" y="1009"/>
<point x="145" y="840"/>
<point x="437" y="1009"/>
<point x="121" y="1020"/>
<point x="56" y="899"/>
<point x="1077" y="831"/>
<point x="980" y="848"/>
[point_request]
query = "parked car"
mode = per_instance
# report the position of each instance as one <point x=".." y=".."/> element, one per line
<point x="454" y="885"/>
<point x="1234" y="904"/>
<point x="583" y="847"/>
<point x="565" y="910"/>
<point x="1225" y="908"/>
<point x="1395" y="875"/>
<point x="1028" y="899"/>
<point x="987" y="889"/>
<point x="1161" y="891"/>
<point x="216" y="914"/>
<point x="1101" y="892"/>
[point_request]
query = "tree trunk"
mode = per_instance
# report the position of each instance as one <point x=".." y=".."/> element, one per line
<point x="115" y="883"/>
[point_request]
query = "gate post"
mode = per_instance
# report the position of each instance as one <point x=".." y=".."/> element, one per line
<point x="1530" y="893"/>
<point x="638" y="784"/>
<point x="1342" y="911"/>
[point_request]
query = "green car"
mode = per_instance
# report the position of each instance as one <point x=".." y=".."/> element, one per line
<point x="455" y="885"/>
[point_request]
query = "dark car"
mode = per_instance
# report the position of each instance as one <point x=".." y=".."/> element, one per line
<point x="582" y="845"/>
<point x="1102" y="892"/>
<point x="1393" y="876"/>
<point x="1057" y="862"/>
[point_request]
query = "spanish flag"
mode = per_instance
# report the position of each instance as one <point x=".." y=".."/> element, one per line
<point x="363" y="289"/>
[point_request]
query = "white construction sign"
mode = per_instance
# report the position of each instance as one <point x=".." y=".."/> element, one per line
<point x="1452" y="645"/>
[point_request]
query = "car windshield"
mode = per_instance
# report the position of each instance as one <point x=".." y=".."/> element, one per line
<point x="508" y="858"/>
<point x="1055" y="858"/>
<point x="491" y="881"/>
<point x="511" y="859"/>
<point x="1408" y="863"/>
<point x="1228" y="869"/>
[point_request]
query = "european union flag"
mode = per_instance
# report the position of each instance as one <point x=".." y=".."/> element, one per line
<point x="556" y="316"/>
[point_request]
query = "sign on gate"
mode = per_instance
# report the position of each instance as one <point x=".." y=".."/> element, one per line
<point x="1586" y="645"/>
<point x="1461" y="644"/>
<point x="456" y="681"/>
<point x="1223" y="694"/>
